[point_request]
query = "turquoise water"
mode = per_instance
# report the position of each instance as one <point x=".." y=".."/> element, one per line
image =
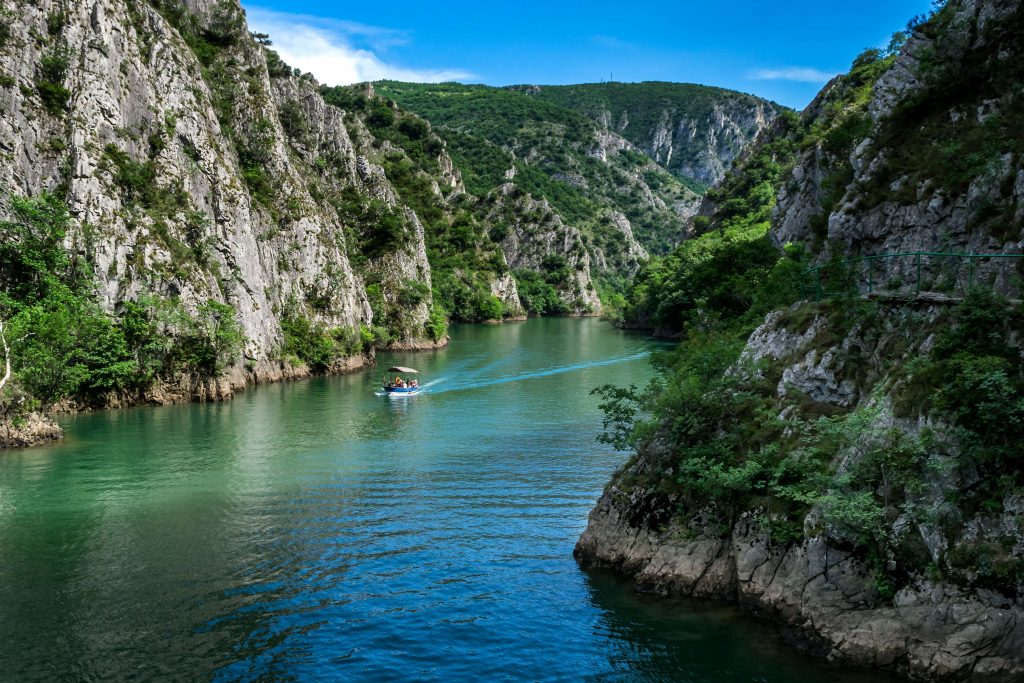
<point x="314" y="530"/>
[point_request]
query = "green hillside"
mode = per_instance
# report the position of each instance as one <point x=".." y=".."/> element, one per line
<point x="552" y="152"/>
<point x="636" y="111"/>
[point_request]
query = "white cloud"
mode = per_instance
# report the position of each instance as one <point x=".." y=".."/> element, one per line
<point x="327" y="48"/>
<point x="801" y="74"/>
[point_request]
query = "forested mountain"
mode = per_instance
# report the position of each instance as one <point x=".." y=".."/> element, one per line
<point x="591" y="173"/>
<point x="183" y="213"/>
<point x="838" y="448"/>
<point x="694" y="131"/>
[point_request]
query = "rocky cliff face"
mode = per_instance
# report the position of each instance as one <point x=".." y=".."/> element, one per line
<point x="538" y="240"/>
<point x="593" y="177"/>
<point x="885" y="182"/>
<point x="704" y="148"/>
<point x="822" y="587"/>
<point x="694" y="131"/>
<point x="237" y="164"/>
<point x="918" y="150"/>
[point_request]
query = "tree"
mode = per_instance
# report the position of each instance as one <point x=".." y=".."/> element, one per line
<point x="7" y="358"/>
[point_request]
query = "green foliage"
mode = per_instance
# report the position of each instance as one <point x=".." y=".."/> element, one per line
<point x="255" y="150"/>
<point x="32" y="255"/>
<point x="209" y="37"/>
<point x="643" y="105"/>
<point x="462" y="255"/>
<point x="974" y="377"/>
<point x="466" y="298"/>
<point x="941" y="133"/>
<point x="730" y="271"/>
<point x="316" y="345"/>
<point x="213" y="340"/>
<point x="436" y="326"/>
<point x="276" y="67"/>
<point x="716" y="432"/>
<point x="6" y="21"/>
<point x="136" y="180"/>
<point x="491" y="131"/>
<point x="53" y="68"/>
<point x="293" y="119"/>
<point x="538" y="294"/>
<point x="373" y="228"/>
<point x="716" y="438"/>
<point x="66" y="346"/>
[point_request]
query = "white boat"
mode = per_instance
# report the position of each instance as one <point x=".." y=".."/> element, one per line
<point x="401" y="384"/>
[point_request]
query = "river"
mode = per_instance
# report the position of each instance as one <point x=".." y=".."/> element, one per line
<point x="315" y="530"/>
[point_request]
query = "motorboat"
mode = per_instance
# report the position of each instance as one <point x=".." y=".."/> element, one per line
<point x="402" y="383"/>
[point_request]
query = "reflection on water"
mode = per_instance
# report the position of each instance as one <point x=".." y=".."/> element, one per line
<point x="314" y="530"/>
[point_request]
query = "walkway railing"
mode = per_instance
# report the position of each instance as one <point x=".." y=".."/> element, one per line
<point x="914" y="272"/>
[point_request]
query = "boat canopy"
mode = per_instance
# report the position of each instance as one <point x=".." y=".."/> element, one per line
<point x="399" y="368"/>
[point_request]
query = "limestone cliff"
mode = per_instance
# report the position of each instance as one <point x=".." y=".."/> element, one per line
<point x="837" y="477"/>
<point x="930" y="161"/>
<point x="694" y="131"/>
<point x="948" y="625"/>
<point x="538" y="240"/>
<point x="594" y="178"/>
<point x="238" y="164"/>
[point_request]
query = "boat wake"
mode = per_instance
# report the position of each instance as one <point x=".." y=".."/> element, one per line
<point x="478" y="384"/>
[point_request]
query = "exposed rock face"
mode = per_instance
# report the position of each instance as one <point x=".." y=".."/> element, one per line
<point x="824" y="593"/>
<point x="241" y="165"/>
<point x="929" y="631"/>
<point x="704" y="148"/>
<point x="504" y="287"/>
<point x="633" y="254"/>
<point x="33" y="430"/>
<point x="536" y="235"/>
<point x="590" y="175"/>
<point x="694" y="131"/>
<point x="880" y="178"/>
<point x="893" y="201"/>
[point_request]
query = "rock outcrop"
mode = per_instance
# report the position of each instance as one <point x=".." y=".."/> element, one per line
<point x="895" y="189"/>
<point x="538" y="240"/>
<point x="824" y="592"/>
<point x="33" y="429"/>
<point x="694" y="131"/>
<point x="914" y="150"/>
<point x="196" y="169"/>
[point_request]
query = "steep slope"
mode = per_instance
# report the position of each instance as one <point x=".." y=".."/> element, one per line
<point x="220" y="210"/>
<point x="466" y="235"/>
<point x="849" y="467"/>
<point x="695" y="131"/>
<point x="182" y="213"/>
<point x="596" y="181"/>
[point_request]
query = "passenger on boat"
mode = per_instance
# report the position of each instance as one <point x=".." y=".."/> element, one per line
<point x="414" y="383"/>
<point x="399" y="382"/>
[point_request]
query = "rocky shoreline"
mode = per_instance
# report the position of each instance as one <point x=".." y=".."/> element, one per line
<point x="38" y="429"/>
<point x="823" y="597"/>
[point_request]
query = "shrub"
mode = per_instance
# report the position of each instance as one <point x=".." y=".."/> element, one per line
<point x="436" y="326"/>
<point x="53" y="68"/>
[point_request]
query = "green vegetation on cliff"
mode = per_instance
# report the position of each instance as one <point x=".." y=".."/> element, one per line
<point x="725" y="271"/>
<point x="551" y="152"/>
<point x="64" y="346"/>
<point x="889" y="428"/>
<point x="464" y="260"/>
<point x="638" y="111"/>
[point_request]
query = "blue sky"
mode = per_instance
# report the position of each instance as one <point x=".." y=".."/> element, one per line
<point x="783" y="51"/>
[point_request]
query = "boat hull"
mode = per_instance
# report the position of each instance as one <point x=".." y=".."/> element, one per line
<point x="402" y="391"/>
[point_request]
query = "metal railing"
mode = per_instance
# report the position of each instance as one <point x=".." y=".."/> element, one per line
<point x="914" y="273"/>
